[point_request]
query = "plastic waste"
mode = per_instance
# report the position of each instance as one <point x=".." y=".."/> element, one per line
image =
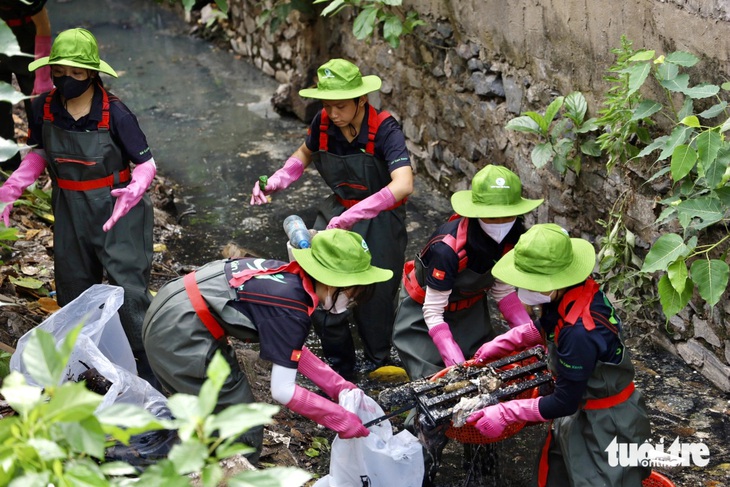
<point x="296" y="230"/>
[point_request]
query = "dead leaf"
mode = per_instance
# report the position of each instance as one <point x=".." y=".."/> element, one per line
<point x="49" y="305"/>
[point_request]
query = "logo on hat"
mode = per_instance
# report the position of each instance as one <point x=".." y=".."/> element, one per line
<point x="365" y="246"/>
<point x="328" y="73"/>
<point x="500" y="184"/>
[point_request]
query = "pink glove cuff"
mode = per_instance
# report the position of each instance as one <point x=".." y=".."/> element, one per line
<point x="32" y="166"/>
<point x="284" y="177"/>
<point x="364" y="210"/>
<point x="42" y="46"/>
<point x="327" y="413"/>
<point x="513" y="310"/>
<point x="447" y="347"/>
<point x="322" y="374"/>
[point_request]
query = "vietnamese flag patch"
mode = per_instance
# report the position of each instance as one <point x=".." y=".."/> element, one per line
<point x="438" y="274"/>
<point x="295" y="355"/>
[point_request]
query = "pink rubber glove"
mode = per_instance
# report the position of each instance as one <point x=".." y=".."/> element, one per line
<point x="32" y="166"/>
<point x="518" y="338"/>
<point x="492" y="420"/>
<point x="322" y="374"/>
<point x="281" y="179"/>
<point x="364" y="210"/>
<point x="42" y="81"/>
<point x="142" y="177"/>
<point x="327" y="413"/>
<point x="513" y="310"/>
<point x="447" y="347"/>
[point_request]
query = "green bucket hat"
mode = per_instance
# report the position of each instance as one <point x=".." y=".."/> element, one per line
<point x="496" y="192"/>
<point x="340" y="258"/>
<point x="76" y="48"/>
<point x="546" y="258"/>
<point x="339" y="79"/>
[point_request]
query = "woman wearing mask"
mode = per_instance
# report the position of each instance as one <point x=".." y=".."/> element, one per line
<point x="269" y="302"/>
<point x="87" y="138"/>
<point x="595" y="401"/>
<point x="443" y="315"/>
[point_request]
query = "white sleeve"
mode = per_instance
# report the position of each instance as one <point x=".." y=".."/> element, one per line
<point x="434" y="305"/>
<point x="500" y="289"/>
<point x="283" y="381"/>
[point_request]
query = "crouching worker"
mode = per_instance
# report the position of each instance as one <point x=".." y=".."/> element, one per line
<point x="594" y="401"/>
<point x="270" y="302"/>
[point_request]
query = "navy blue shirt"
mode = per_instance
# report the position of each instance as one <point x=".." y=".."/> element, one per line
<point x="277" y="305"/>
<point x="442" y="264"/>
<point x="578" y="352"/>
<point x="390" y="143"/>
<point x="123" y="125"/>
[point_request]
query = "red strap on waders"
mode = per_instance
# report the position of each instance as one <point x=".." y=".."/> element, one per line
<point x="611" y="401"/>
<point x="200" y="306"/>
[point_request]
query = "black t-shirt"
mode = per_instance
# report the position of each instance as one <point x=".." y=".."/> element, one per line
<point x="15" y="9"/>
<point x="123" y="125"/>
<point x="277" y="306"/>
<point x="442" y="263"/>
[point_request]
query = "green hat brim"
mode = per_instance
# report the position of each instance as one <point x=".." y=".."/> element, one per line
<point x="370" y="83"/>
<point x="584" y="259"/>
<point x="462" y="203"/>
<point x="346" y="278"/>
<point x="44" y="61"/>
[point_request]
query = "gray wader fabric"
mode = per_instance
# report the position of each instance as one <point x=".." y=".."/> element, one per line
<point x="355" y="177"/>
<point x="471" y="327"/>
<point x="82" y="250"/>
<point x="576" y="455"/>
<point x="180" y="347"/>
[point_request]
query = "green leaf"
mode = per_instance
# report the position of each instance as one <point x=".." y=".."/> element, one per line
<point x="364" y="23"/>
<point x="667" y="71"/>
<point x="84" y="473"/>
<point x="711" y="278"/>
<point x="551" y="111"/>
<point x="714" y="110"/>
<point x="682" y="58"/>
<point x="677" y="272"/>
<point x="10" y="94"/>
<point x="222" y="6"/>
<point x="212" y="474"/>
<point x="47" y="449"/>
<point x="184" y="407"/>
<point x="591" y="148"/>
<point x="72" y="402"/>
<point x="687" y="108"/>
<point x="667" y="248"/>
<point x="334" y="5"/>
<point x="19" y="395"/>
<point x="43" y="362"/>
<point x="117" y="469"/>
<point x="723" y="194"/>
<point x="188" y="457"/>
<point x="85" y="437"/>
<point x="237" y="419"/>
<point x="541" y="154"/>
<point x="708" y="209"/>
<point x="642" y="55"/>
<point x="683" y="160"/>
<point x="26" y="282"/>
<point x="678" y="137"/>
<point x="708" y="145"/>
<point x="678" y="84"/>
<point x="8" y="43"/>
<point x="524" y="124"/>
<point x="576" y="107"/>
<point x="715" y="170"/>
<point x="673" y="302"/>
<point x="270" y="477"/>
<point x="392" y="30"/>
<point x="691" y="121"/>
<point x="658" y="143"/>
<point x="725" y="126"/>
<point x="637" y="75"/>
<point x="218" y="371"/>
<point x="646" y="109"/>
<point x="703" y="90"/>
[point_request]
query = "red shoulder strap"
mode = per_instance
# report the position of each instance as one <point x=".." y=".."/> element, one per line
<point x="324" y="124"/>
<point x="458" y="243"/>
<point x="374" y="121"/>
<point x="103" y="124"/>
<point x="581" y="298"/>
<point x="292" y="267"/>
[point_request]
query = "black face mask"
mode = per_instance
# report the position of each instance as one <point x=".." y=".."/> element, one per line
<point x="70" y="87"/>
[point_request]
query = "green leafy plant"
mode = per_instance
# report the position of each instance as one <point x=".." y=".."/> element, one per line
<point x="561" y="139"/>
<point x="280" y="10"/>
<point x="619" y="266"/>
<point x="9" y="47"/>
<point x="396" y="22"/>
<point x="189" y="4"/>
<point x="692" y="253"/>
<point x="623" y="118"/>
<point x="59" y="438"/>
<point x="318" y="446"/>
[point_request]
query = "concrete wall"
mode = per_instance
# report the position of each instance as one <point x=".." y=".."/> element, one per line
<point x="479" y="63"/>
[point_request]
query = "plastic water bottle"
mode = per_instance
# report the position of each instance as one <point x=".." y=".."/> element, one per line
<point x="296" y="230"/>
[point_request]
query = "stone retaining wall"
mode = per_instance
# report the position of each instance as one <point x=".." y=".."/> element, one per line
<point x="476" y="65"/>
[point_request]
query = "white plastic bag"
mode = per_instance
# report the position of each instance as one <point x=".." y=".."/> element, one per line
<point x="101" y="344"/>
<point x="378" y="460"/>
